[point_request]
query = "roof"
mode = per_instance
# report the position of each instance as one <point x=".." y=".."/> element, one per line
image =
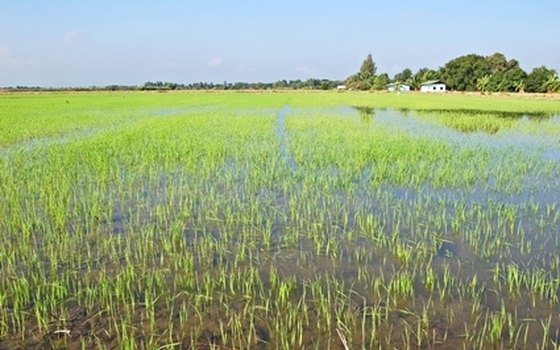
<point x="399" y="84"/>
<point x="432" y="82"/>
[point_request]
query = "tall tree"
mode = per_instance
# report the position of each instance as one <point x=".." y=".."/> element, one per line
<point x="505" y="75"/>
<point x="368" y="68"/>
<point x="404" y="76"/>
<point x="462" y="73"/>
<point x="514" y="78"/>
<point x="498" y="63"/>
<point x="536" y="80"/>
<point x="364" y="79"/>
<point x="380" y="82"/>
<point x="415" y="82"/>
<point x="423" y="75"/>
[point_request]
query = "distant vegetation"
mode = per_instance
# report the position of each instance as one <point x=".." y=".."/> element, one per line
<point x="309" y="84"/>
<point x="472" y="72"/>
<point x="314" y="84"/>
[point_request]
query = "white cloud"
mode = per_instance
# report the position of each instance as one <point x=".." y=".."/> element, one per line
<point x="9" y="60"/>
<point x="74" y="37"/>
<point x="215" y="62"/>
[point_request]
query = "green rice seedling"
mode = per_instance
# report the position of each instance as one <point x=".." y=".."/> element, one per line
<point x="194" y="220"/>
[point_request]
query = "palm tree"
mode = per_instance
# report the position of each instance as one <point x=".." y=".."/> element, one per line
<point x="483" y="83"/>
<point x="552" y="83"/>
<point x="520" y="86"/>
<point x="415" y="82"/>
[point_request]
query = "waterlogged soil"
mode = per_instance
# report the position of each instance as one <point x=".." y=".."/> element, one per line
<point x="354" y="264"/>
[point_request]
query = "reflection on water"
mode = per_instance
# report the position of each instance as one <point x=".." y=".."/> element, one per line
<point x="494" y="114"/>
<point x="496" y="132"/>
<point x="282" y="135"/>
<point x="552" y="154"/>
<point x="529" y="196"/>
<point x="448" y="249"/>
<point x="366" y="113"/>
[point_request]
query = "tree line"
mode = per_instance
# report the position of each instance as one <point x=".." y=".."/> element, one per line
<point x="314" y="84"/>
<point x="472" y="72"/>
<point x="309" y="84"/>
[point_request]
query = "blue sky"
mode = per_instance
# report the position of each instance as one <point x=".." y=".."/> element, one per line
<point x="83" y="43"/>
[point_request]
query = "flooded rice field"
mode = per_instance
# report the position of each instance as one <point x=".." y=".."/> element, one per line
<point x="212" y="226"/>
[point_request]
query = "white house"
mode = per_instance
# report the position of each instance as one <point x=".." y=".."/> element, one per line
<point x="433" y="86"/>
<point x="398" y="86"/>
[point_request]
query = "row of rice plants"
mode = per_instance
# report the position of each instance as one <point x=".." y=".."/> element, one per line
<point x="190" y="230"/>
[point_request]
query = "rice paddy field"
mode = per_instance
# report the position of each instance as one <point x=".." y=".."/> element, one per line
<point x="279" y="221"/>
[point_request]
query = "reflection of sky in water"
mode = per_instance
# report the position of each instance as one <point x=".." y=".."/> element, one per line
<point x="552" y="154"/>
<point x="536" y="188"/>
<point x="555" y="119"/>
<point x="406" y="121"/>
<point x="282" y="135"/>
<point x="505" y="146"/>
<point x="505" y="138"/>
<point x="542" y="145"/>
